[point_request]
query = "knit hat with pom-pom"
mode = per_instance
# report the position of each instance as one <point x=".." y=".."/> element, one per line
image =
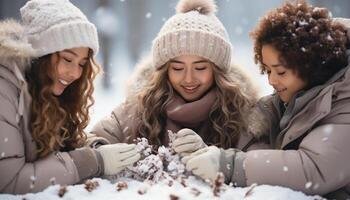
<point x="193" y="30"/>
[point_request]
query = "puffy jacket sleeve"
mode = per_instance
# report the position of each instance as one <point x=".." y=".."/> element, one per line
<point x="17" y="175"/>
<point x="319" y="166"/>
<point x="112" y="129"/>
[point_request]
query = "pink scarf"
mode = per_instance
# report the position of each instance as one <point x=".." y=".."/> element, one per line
<point x="193" y="115"/>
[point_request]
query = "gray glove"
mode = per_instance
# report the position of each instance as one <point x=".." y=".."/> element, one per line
<point x="118" y="156"/>
<point x="187" y="141"/>
<point x="204" y="163"/>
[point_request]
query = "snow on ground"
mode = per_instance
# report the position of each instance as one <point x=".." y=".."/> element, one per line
<point x="194" y="189"/>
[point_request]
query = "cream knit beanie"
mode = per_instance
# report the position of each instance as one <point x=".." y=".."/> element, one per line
<point x="193" y="30"/>
<point x="55" y="25"/>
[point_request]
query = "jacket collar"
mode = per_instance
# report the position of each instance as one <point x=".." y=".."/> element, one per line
<point x="313" y="105"/>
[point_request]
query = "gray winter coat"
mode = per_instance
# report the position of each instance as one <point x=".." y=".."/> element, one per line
<point x="310" y="142"/>
<point x="21" y="171"/>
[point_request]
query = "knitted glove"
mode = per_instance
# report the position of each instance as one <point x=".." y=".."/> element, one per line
<point x="204" y="162"/>
<point x="118" y="156"/>
<point x="187" y="141"/>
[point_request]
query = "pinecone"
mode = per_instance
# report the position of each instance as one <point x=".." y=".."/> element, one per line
<point x="62" y="191"/>
<point x="183" y="181"/>
<point x="91" y="185"/>
<point x="218" y="184"/>
<point x="173" y="197"/>
<point x="170" y="183"/>
<point x="121" y="186"/>
<point x="195" y="192"/>
<point x="141" y="191"/>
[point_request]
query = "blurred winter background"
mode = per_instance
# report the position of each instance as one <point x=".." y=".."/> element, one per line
<point x="127" y="28"/>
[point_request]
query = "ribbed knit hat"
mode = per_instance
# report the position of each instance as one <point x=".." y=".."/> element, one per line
<point x="193" y="30"/>
<point x="55" y="25"/>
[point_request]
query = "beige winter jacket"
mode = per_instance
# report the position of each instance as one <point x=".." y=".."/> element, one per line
<point x="311" y="142"/>
<point x="20" y="169"/>
<point x="115" y="128"/>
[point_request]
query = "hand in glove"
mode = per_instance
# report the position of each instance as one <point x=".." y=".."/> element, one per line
<point x="118" y="156"/>
<point x="204" y="162"/>
<point x="187" y="141"/>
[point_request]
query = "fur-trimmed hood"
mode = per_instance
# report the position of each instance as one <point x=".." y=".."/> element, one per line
<point x="14" y="46"/>
<point x="15" y="56"/>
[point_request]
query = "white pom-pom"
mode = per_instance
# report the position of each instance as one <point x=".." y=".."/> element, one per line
<point x="202" y="6"/>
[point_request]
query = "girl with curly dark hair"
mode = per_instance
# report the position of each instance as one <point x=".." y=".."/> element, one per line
<point x="303" y="51"/>
<point x="47" y="68"/>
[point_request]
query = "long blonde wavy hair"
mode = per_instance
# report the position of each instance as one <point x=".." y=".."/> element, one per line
<point x="57" y="123"/>
<point x="227" y="115"/>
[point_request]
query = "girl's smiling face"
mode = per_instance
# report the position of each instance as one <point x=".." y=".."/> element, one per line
<point x="286" y="82"/>
<point x="69" y="67"/>
<point x="191" y="76"/>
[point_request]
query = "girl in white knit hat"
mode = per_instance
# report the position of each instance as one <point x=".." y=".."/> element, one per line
<point x="46" y="71"/>
<point x="188" y="87"/>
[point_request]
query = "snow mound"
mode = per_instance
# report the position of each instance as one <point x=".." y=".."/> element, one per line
<point x="193" y="188"/>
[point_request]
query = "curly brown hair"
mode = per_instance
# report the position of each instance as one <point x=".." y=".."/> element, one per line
<point x="308" y="41"/>
<point x="227" y="115"/>
<point x="57" y="123"/>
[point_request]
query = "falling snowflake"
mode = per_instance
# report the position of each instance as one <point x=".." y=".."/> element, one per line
<point x="6" y="140"/>
<point x="32" y="178"/>
<point x="303" y="23"/>
<point x="125" y="129"/>
<point x="329" y="38"/>
<point x="328" y="129"/>
<point x="148" y="15"/>
<point x="238" y="30"/>
<point x="324" y="139"/>
<point x="53" y="180"/>
<point x="285" y="168"/>
<point x="317" y="9"/>
<point x="308" y="185"/>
